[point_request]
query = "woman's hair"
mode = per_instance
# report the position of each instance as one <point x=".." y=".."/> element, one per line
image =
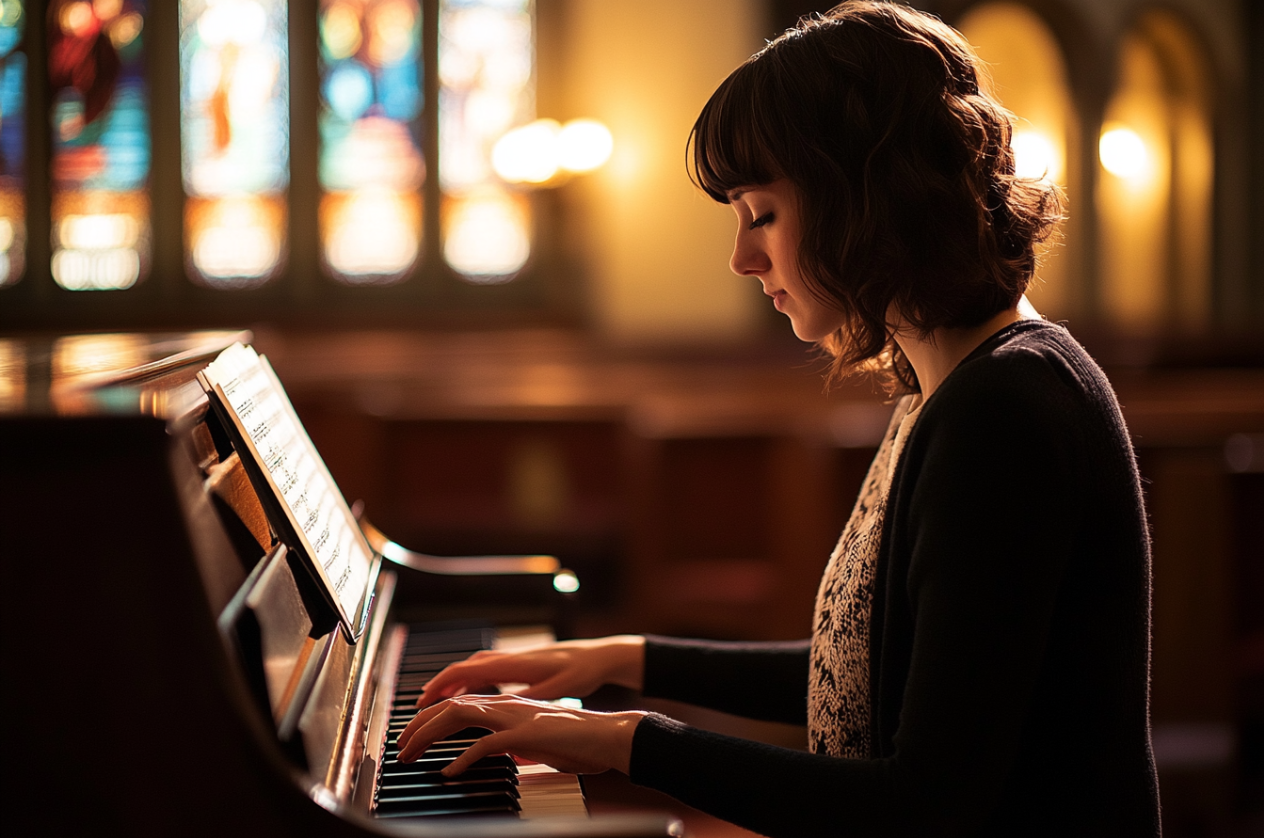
<point x="903" y="167"/>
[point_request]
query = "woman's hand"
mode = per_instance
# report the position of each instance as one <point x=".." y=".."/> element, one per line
<point x="571" y="668"/>
<point x="575" y="741"/>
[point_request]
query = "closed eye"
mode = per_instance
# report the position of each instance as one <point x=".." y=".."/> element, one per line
<point x="761" y="221"/>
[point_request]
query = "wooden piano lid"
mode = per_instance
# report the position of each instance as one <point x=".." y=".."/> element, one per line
<point x="117" y="373"/>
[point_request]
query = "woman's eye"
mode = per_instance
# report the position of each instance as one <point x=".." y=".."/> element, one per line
<point x="761" y="221"/>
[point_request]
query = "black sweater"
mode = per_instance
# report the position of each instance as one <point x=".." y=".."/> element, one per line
<point x="1009" y="639"/>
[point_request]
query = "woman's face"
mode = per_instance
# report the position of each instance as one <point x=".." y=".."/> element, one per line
<point x="767" y="247"/>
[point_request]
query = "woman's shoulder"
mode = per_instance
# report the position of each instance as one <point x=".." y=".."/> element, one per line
<point x="1029" y="359"/>
<point x="1031" y="375"/>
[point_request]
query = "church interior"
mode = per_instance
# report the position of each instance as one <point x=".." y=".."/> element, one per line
<point x="462" y="233"/>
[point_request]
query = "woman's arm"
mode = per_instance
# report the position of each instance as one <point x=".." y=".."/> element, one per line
<point x="766" y="681"/>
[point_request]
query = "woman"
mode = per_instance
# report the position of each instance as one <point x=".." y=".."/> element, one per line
<point x="979" y="658"/>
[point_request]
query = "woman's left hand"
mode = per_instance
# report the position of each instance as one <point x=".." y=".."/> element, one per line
<point x="575" y="741"/>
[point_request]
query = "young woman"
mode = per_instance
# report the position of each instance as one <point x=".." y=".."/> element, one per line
<point x="979" y="661"/>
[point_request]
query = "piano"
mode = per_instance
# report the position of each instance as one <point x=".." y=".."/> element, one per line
<point x="171" y="669"/>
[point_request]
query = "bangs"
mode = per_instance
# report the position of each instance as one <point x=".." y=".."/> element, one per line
<point x="727" y="148"/>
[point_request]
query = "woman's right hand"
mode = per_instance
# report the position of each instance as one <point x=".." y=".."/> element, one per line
<point x="572" y="668"/>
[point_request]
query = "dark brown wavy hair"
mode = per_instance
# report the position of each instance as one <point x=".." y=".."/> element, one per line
<point x="904" y="170"/>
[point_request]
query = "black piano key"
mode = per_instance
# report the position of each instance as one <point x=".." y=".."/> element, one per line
<point x="466" y="787"/>
<point x="459" y="802"/>
<point x="418" y="788"/>
<point x="499" y="761"/>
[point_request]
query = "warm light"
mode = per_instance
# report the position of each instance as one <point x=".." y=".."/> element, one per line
<point x="97" y="252"/>
<point x="12" y="375"/>
<point x="112" y="269"/>
<point x="1034" y="156"/>
<point x="93" y="232"/>
<point x="536" y="152"/>
<point x="340" y="31"/>
<point x="566" y="582"/>
<point x="487" y="238"/>
<point x="391" y="26"/>
<point x="80" y="355"/>
<point x="125" y="29"/>
<point x="528" y="154"/>
<point x="1123" y="153"/>
<point x="6" y="234"/>
<point x="374" y="234"/>
<point x="584" y="145"/>
<point x="232" y="21"/>
<point x="77" y="19"/>
<point x="239" y="241"/>
<point x="107" y="9"/>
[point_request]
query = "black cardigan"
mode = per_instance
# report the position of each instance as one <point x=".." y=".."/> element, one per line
<point x="1009" y="642"/>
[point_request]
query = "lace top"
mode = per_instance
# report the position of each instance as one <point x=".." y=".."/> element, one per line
<point x="838" y="685"/>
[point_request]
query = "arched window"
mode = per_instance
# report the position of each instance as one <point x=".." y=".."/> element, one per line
<point x="1029" y="76"/>
<point x="1154" y="196"/>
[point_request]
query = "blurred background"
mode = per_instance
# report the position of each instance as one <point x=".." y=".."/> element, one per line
<point x="462" y="232"/>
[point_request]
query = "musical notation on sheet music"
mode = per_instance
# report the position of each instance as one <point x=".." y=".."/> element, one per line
<point x="320" y="516"/>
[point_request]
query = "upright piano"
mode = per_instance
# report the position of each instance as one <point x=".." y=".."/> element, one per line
<point x="171" y="668"/>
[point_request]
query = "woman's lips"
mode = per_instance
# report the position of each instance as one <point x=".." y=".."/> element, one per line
<point x="778" y="299"/>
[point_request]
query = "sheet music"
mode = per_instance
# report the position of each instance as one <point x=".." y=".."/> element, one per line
<point x="316" y="510"/>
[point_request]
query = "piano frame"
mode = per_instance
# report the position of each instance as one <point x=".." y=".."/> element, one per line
<point x="128" y="709"/>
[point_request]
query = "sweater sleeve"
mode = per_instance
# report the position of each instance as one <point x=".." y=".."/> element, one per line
<point x="982" y="515"/>
<point x="766" y="681"/>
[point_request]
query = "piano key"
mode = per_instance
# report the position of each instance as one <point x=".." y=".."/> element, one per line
<point x="442" y="762"/>
<point x="433" y="776"/>
<point x="450" y="813"/>
<point x="449" y="800"/>
<point x="491" y="784"/>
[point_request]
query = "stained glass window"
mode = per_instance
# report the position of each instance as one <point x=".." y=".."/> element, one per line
<point x="486" y="60"/>
<point x="234" y="115"/>
<point x="100" y="143"/>
<point x="12" y="142"/>
<point x="371" y="164"/>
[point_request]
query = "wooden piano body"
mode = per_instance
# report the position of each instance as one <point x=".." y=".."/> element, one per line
<point x="132" y="699"/>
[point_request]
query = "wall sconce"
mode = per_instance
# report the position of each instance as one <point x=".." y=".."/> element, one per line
<point x="546" y="153"/>
<point x="1123" y="152"/>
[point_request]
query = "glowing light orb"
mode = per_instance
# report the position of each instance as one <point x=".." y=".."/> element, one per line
<point x="528" y="154"/>
<point x="1123" y="153"/>
<point x="487" y="240"/>
<point x="584" y="145"/>
<point x="1034" y="156"/>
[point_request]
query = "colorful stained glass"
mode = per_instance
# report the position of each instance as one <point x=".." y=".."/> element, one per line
<point x="371" y="165"/>
<point x="100" y="138"/>
<point x="235" y="131"/>
<point x="486" y="76"/>
<point x="12" y="142"/>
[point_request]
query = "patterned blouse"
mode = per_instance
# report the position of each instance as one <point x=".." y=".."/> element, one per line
<point x="838" y="684"/>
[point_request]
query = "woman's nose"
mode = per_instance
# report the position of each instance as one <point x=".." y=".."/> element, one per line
<point x="748" y="258"/>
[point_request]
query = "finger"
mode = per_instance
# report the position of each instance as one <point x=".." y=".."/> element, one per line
<point x="487" y="746"/>
<point x="418" y="721"/>
<point x="442" y="720"/>
<point x="449" y="682"/>
<point x="463" y="676"/>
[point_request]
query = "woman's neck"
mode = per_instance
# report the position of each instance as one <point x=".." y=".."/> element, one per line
<point x="937" y="354"/>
